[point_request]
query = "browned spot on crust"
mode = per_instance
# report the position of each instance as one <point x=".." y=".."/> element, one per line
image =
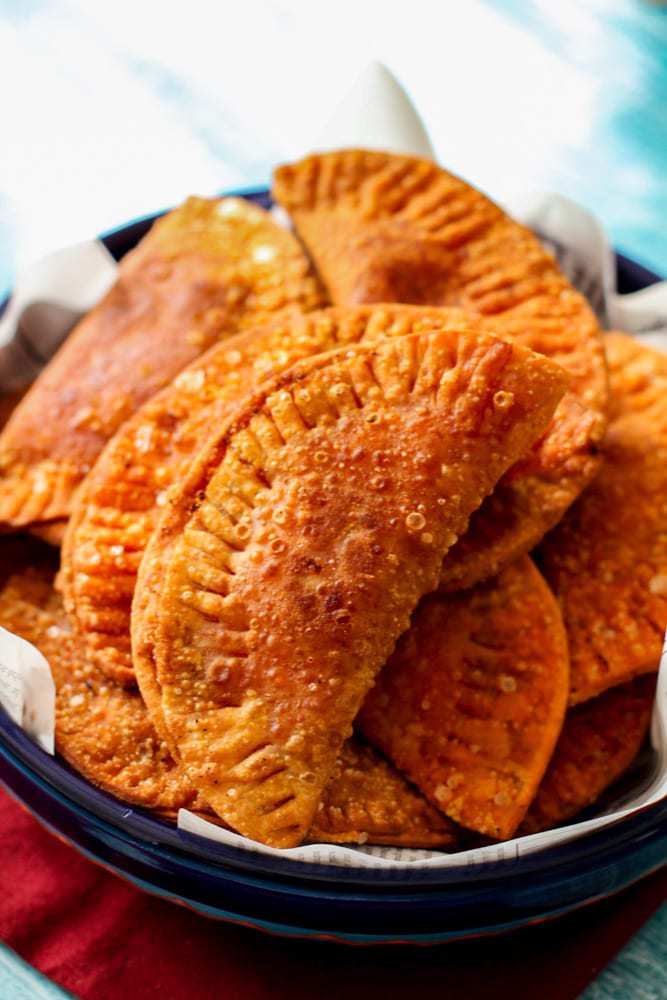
<point x="471" y="703"/>
<point x="607" y="559"/>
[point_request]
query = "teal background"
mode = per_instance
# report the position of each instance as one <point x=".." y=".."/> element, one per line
<point x="639" y="972"/>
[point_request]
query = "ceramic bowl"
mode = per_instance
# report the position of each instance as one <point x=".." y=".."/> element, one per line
<point x="283" y="896"/>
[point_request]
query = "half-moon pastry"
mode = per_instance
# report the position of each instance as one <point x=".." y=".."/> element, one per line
<point x="607" y="560"/>
<point x="472" y="701"/>
<point x="120" y="502"/>
<point x="598" y="743"/>
<point x="203" y="272"/>
<point x="390" y="228"/>
<point x="368" y="802"/>
<point x="102" y="729"/>
<point x="105" y="733"/>
<point x="302" y="538"/>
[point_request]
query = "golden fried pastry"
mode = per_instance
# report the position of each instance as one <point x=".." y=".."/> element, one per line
<point x="203" y="272"/>
<point x="598" y="743"/>
<point x="472" y="701"/>
<point x="300" y="541"/>
<point x="607" y="560"/>
<point x="102" y="729"/>
<point x="119" y="504"/>
<point x="387" y="228"/>
<point x="368" y="802"/>
<point x="104" y="732"/>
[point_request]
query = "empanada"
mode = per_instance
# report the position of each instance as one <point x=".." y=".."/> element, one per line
<point x="102" y="730"/>
<point x="368" y="802"/>
<point x="472" y="701"/>
<point x="598" y="743"/>
<point x="300" y="541"/>
<point x="607" y="560"/>
<point x="203" y="272"/>
<point x="387" y="228"/>
<point x="120" y="502"/>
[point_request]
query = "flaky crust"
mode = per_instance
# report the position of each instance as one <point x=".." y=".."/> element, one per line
<point x="472" y="701"/>
<point x="368" y="802"/>
<point x="120" y="502"/>
<point x="607" y="560"/>
<point x="292" y="569"/>
<point x="381" y="228"/>
<point x="101" y="729"/>
<point x="203" y="272"/>
<point x="598" y="743"/>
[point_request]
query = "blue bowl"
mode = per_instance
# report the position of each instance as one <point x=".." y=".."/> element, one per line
<point x="319" y="901"/>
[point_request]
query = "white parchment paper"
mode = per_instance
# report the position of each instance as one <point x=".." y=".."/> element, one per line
<point x="27" y="691"/>
<point x="580" y="244"/>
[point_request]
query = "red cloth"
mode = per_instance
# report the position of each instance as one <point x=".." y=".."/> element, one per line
<point x="104" y="940"/>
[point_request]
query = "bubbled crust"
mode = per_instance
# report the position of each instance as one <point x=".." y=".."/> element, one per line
<point x="381" y="228"/>
<point x="119" y="504"/>
<point x="301" y="540"/>
<point x="102" y="730"/>
<point x="472" y="701"/>
<point x="203" y="272"/>
<point x="598" y="743"/>
<point x="368" y="802"/>
<point x="607" y="560"/>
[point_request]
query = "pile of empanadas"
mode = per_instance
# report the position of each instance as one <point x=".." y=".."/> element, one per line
<point x="297" y="477"/>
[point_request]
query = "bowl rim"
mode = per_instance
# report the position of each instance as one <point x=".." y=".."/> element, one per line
<point x="139" y="824"/>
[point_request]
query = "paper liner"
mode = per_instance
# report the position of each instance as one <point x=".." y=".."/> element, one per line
<point x="27" y="691"/>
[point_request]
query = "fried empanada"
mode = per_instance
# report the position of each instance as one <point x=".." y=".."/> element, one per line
<point x="102" y="729"/>
<point x="300" y="541"/>
<point x="387" y="228"/>
<point x="368" y="802"/>
<point x="472" y="701"/>
<point x="607" y="560"/>
<point x="104" y="732"/>
<point x="203" y="272"/>
<point x="119" y="504"/>
<point x="598" y="743"/>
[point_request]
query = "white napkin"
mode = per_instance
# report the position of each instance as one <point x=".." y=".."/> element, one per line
<point x="74" y="279"/>
<point x="378" y="113"/>
<point x="27" y="691"/>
